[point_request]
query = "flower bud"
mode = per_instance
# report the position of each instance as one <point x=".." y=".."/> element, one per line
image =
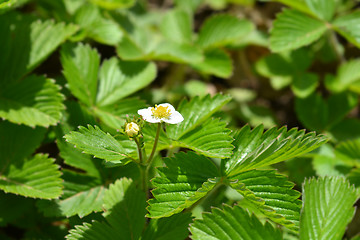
<point x="132" y="129"/>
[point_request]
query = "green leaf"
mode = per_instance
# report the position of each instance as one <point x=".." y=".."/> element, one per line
<point x="37" y="177"/>
<point x="123" y="220"/>
<point x="325" y="163"/>
<point x="327" y="208"/>
<point x="119" y="79"/>
<point x="305" y="84"/>
<point x="97" y="27"/>
<point x="34" y="101"/>
<point x="271" y="194"/>
<point x="13" y="207"/>
<point x="255" y="148"/>
<point x="211" y="139"/>
<point x="354" y="177"/>
<point x="196" y="112"/>
<point x="26" y="42"/>
<point x="295" y="4"/>
<point x="18" y="142"/>
<point x="232" y="223"/>
<point x="319" y="114"/>
<point x="174" y="228"/>
<point x="348" y="128"/>
<point x="177" y="26"/>
<point x="94" y="141"/>
<point x="348" y="27"/>
<point x="181" y="183"/>
<point x="324" y="9"/>
<point x="177" y="52"/>
<point x="347" y="77"/>
<point x="81" y="65"/>
<point x="114" y="4"/>
<point x="216" y="62"/>
<point x="114" y="115"/>
<point x="82" y="195"/>
<point x="293" y="29"/>
<point x="220" y="30"/>
<point x="11" y="4"/>
<point x="349" y="150"/>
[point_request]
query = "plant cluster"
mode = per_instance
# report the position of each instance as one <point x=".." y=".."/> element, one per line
<point x="90" y="148"/>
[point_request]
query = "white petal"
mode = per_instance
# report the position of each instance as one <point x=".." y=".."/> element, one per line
<point x="147" y="115"/>
<point x="169" y="106"/>
<point x="175" y="118"/>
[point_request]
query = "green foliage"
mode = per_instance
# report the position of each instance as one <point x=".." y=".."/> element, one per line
<point x="327" y="209"/>
<point x="255" y="148"/>
<point x="293" y="29"/>
<point x="124" y="218"/>
<point x="74" y="73"/>
<point x="181" y="184"/>
<point x="232" y="223"/>
<point x="271" y="194"/>
<point x="93" y="140"/>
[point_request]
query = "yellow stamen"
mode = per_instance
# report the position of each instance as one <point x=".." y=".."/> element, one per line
<point x="160" y="112"/>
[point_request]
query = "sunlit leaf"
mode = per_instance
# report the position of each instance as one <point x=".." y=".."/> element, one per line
<point x="327" y="208"/>
<point x="232" y="223"/>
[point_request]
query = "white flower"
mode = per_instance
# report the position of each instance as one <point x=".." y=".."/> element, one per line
<point x="132" y="129"/>
<point x="164" y="112"/>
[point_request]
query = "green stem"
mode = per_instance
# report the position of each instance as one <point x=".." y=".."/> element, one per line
<point x="139" y="150"/>
<point x="155" y="145"/>
<point x="335" y="45"/>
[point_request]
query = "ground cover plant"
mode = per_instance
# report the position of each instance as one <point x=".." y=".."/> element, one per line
<point x="184" y="119"/>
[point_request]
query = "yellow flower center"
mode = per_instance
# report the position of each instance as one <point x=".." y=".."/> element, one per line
<point x="160" y="112"/>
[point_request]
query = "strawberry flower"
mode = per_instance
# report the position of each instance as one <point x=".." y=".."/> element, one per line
<point x="164" y="112"/>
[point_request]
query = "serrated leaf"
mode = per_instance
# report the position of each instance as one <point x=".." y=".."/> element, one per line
<point x="232" y="223"/>
<point x="93" y="140"/>
<point x="119" y="79"/>
<point x="177" y="26"/>
<point x="83" y="195"/>
<point x="324" y="9"/>
<point x="181" y="183"/>
<point x="81" y="65"/>
<point x="255" y="148"/>
<point x="25" y="43"/>
<point x="212" y="139"/>
<point x="349" y="150"/>
<point x="327" y="208"/>
<point x="271" y="194"/>
<point x="348" y="26"/>
<point x="293" y="29"/>
<point x="347" y="76"/>
<point x="174" y="227"/>
<point x="216" y="62"/>
<point x="195" y="112"/>
<point x="220" y="30"/>
<point x="125" y="220"/>
<point x="37" y="177"/>
<point x="34" y="101"/>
